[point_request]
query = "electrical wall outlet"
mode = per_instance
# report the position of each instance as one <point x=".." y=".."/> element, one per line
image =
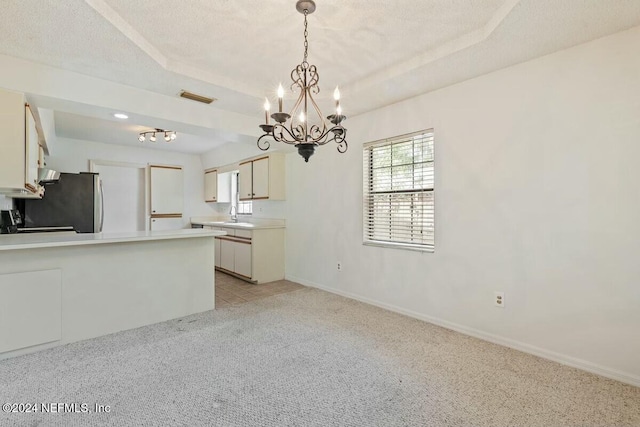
<point x="339" y="266"/>
<point x="498" y="299"/>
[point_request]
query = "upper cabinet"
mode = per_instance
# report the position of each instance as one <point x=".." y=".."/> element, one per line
<point x="19" y="148"/>
<point x="262" y="178"/>
<point x="217" y="186"/>
<point x="167" y="190"/>
<point x="211" y="186"/>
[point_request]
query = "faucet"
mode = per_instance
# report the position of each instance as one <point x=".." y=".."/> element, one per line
<point x="233" y="211"/>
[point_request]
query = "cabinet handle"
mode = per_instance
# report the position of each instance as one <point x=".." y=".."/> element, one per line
<point x="153" y="211"/>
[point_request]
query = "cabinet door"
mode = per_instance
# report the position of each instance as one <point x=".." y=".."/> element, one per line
<point x="166" y="189"/>
<point x="32" y="151"/>
<point x="12" y="149"/>
<point x="245" y="184"/>
<point x="261" y="178"/>
<point x="164" y="224"/>
<point x="227" y="255"/>
<point x="217" y="252"/>
<point x="243" y="258"/>
<point x="210" y="186"/>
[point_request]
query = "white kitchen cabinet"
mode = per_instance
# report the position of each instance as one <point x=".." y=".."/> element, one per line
<point x="217" y="186"/>
<point x="242" y="258"/>
<point x="235" y="255"/>
<point x="19" y="147"/>
<point x="262" y="178"/>
<point x="256" y="255"/>
<point x="211" y="186"/>
<point x="245" y="181"/>
<point x="165" y="224"/>
<point x="227" y="254"/>
<point x="167" y="190"/>
<point x="33" y="150"/>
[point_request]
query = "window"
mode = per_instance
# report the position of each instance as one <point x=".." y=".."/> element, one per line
<point x="241" y="207"/>
<point x="399" y="192"/>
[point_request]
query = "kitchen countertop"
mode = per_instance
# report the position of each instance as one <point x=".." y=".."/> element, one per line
<point x="255" y="224"/>
<point x="48" y="240"/>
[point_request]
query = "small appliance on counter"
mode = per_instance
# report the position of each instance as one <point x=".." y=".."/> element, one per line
<point x="9" y="221"/>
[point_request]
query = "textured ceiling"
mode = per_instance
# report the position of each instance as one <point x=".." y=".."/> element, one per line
<point x="379" y="52"/>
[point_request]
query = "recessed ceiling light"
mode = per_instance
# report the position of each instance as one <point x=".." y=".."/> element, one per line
<point x="120" y="116"/>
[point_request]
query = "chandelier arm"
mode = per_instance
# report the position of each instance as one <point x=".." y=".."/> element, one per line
<point x="318" y="112"/>
<point x="266" y="144"/>
<point x="300" y="85"/>
<point x="314" y="78"/>
<point x="279" y="136"/>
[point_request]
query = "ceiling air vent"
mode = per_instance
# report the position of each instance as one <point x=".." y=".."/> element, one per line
<point x="196" y="97"/>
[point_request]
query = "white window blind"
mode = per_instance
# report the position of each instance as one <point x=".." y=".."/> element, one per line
<point x="399" y="191"/>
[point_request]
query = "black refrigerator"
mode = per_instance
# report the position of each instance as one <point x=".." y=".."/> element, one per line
<point x="74" y="201"/>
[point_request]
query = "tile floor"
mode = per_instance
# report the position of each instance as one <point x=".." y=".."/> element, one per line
<point x="232" y="291"/>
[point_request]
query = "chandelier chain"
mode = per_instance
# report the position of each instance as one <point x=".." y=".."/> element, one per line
<point x="306" y="33"/>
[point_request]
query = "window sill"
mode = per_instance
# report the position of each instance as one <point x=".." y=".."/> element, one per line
<point x="405" y="246"/>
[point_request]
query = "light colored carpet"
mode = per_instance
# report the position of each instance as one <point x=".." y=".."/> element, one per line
<point x="308" y="358"/>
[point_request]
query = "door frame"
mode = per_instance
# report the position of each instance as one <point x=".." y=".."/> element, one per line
<point x="98" y="162"/>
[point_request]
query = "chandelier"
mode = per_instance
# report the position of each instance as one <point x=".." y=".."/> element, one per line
<point x="298" y="127"/>
<point x="169" y="135"/>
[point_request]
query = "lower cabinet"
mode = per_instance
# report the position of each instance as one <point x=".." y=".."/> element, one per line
<point x="242" y="252"/>
<point x="227" y="254"/>
<point x="235" y="255"/>
<point x="255" y="255"/>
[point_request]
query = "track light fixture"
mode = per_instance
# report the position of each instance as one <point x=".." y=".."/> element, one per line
<point x="169" y="135"/>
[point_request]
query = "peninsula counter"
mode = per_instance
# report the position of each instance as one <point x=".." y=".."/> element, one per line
<point x="57" y="288"/>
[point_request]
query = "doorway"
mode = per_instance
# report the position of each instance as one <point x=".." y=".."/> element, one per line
<point x="124" y="192"/>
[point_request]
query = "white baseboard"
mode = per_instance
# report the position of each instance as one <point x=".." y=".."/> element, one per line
<point x="496" y="339"/>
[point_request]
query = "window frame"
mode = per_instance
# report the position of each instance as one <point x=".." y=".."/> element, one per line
<point x="243" y="207"/>
<point x="426" y="205"/>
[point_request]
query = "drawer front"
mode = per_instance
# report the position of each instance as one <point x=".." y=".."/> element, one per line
<point x="245" y="234"/>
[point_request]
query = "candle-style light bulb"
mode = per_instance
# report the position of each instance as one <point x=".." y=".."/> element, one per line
<point x="302" y="116"/>
<point x="280" y="96"/>
<point x="336" y="96"/>
<point x="267" y="107"/>
<point x="339" y="111"/>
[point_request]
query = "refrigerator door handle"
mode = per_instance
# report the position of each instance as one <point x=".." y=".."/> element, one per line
<point x="99" y="206"/>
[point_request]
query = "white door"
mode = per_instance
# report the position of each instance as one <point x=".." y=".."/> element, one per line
<point x="261" y="178"/>
<point x="167" y="189"/>
<point x="123" y="189"/>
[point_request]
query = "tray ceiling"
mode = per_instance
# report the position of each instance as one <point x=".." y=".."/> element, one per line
<point x="379" y="52"/>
